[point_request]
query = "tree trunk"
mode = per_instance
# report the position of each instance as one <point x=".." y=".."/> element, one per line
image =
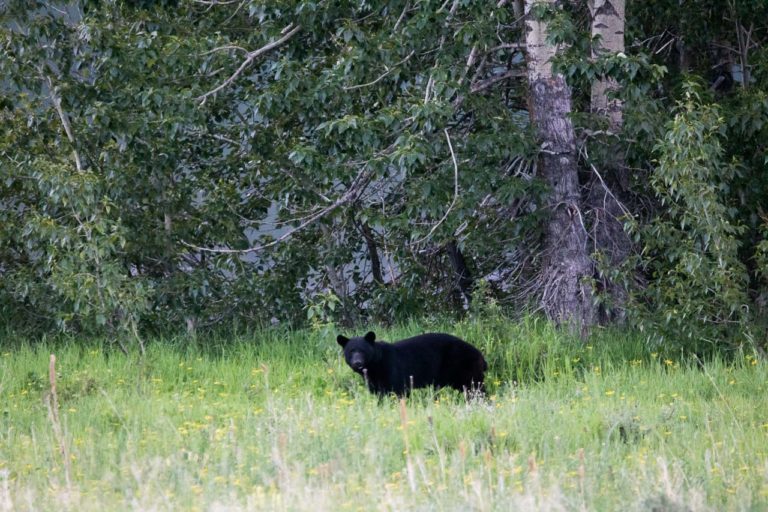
<point x="608" y="25"/>
<point x="373" y="251"/>
<point x="462" y="278"/>
<point x="566" y="291"/>
<point x="606" y="187"/>
<point x="338" y="283"/>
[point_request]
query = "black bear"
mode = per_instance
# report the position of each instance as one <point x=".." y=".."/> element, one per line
<point x="432" y="359"/>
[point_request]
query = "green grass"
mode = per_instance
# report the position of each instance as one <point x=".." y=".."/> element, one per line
<point x="275" y="421"/>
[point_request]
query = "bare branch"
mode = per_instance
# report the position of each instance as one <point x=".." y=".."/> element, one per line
<point x="402" y="16"/>
<point x="608" y="191"/>
<point x="470" y="62"/>
<point x="217" y="2"/>
<point x="288" y="32"/>
<point x="353" y="192"/>
<point x="505" y="46"/>
<point x="485" y="84"/>
<point x="226" y="47"/>
<point x="65" y="122"/>
<point x="455" y="191"/>
<point x="352" y="87"/>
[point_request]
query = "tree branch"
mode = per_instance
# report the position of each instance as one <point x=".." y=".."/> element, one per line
<point x="287" y="32"/>
<point x="355" y="190"/>
<point x="65" y="122"/>
<point x="485" y="84"/>
<point x="455" y="191"/>
<point x="352" y="87"/>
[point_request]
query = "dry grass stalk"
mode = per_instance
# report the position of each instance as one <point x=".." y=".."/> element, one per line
<point x="408" y="462"/>
<point x="53" y="415"/>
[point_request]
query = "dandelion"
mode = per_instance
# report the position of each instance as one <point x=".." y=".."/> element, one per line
<point x="610" y="392"/>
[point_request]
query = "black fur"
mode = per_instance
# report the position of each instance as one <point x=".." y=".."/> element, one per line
<point x="433" y="359"/>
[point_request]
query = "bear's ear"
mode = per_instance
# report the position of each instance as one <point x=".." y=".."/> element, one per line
<point x="342" y="340"/>
<point x="370" y="337"/>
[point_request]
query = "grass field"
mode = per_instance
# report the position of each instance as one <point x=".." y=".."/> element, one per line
<point x="275" y="421"/>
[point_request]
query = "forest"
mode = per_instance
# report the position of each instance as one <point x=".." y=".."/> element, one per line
<point x="193" y="165"/>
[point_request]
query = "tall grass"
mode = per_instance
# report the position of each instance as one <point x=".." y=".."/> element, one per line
<point x="274" y="420"/>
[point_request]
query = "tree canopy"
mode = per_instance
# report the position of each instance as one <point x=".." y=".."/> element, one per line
<point x="195" y="163"/>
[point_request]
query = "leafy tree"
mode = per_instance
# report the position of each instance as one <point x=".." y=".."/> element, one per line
<point x="199" y="163"/>
<point x="696" y="280"/>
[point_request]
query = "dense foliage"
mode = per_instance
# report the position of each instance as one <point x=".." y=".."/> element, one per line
<point x="354" y="160"/>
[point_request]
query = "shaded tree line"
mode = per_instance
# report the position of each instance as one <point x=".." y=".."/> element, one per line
<point x="199" y="163"/>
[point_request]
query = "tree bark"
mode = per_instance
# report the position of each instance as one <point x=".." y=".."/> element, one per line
<point x="338" y="283"/>
<point x="462" y="278"/>
<point x="608" y="25"/>
<point x="373" y="252"/>
<point x="565" y="277"/>
<point x="606" y="187"/>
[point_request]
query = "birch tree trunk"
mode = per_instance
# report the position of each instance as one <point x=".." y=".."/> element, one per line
<point x="608" y="25"/>
<point x="565" y="278"/>
<point x="606" y="186"/>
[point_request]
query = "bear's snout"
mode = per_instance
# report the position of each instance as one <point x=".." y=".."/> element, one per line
<point x="357" y="363"/>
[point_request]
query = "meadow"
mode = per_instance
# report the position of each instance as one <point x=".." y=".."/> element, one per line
<point x="274" y="420"/>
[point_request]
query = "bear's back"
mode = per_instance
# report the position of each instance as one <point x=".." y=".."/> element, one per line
<point x="436" y="359"/>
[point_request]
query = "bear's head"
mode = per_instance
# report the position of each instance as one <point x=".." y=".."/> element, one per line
<point x="359" y="352"/>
